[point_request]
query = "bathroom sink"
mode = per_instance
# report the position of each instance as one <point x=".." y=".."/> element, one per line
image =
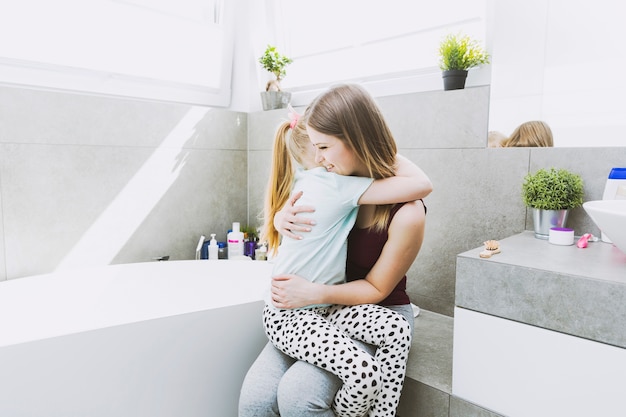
<point x="610" y="217"/>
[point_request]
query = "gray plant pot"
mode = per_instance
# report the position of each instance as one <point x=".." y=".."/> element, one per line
<point x="546" y="219"/>
<point x="275" y="99"/>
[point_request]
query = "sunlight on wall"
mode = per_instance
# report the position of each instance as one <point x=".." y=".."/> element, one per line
<point x="110" y="232"/>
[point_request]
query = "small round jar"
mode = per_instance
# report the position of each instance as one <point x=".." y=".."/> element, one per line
<point x="561" y="236"/>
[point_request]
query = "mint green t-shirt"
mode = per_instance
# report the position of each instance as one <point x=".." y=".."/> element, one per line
<point x="321" y="255"/>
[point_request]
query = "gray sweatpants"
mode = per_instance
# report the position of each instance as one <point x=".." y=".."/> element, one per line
<point x="278" y="385"/>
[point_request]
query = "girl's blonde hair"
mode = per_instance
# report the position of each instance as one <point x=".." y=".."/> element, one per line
<point x="290" y="146"/>
<point x="350" y="114"/>
<point x="533" y="133"/>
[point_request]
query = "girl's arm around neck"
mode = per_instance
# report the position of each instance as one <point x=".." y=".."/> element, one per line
<point x="409" y="184"/>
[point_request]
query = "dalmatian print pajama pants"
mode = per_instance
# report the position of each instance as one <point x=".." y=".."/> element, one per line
<point x="322" y="336"/>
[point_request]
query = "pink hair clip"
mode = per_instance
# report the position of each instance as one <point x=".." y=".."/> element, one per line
<point x="293" y="116"/>
<point x="584" y="239"/>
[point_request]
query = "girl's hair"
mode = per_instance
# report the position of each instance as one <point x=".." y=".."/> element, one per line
<point x="350" y="114"/>
<point x="532" y="133"/>
<point x="290" y="145"/>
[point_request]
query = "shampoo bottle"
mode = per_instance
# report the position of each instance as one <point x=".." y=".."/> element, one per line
<point x="235" y="242"/>
<point x="616" y="179"/>
<point x="613" y="190"/>
<point x="213" y="248"/>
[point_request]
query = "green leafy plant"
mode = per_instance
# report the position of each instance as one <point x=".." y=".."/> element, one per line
<point x="554" y="189"/>
<point x="251" y="231"/>
<point x="460" y="52"/>
<point x="275" y="63"/>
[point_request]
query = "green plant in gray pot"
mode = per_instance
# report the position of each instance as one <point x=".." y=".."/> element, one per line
<point x="551" y="194"/>
<point x="457" y="54"/>
<point x="273" y="61"/>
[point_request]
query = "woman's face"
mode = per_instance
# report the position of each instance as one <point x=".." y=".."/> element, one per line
<point x="333" y="154"/>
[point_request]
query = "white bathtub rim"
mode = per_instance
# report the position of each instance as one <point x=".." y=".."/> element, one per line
<point x="39" y="307"/>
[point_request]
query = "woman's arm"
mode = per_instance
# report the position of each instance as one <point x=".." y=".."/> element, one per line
<point x="405" y="236"/>
<point x="410" y="183"/>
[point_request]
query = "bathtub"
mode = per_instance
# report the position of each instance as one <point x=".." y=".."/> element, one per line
<point x="152" y="339"/>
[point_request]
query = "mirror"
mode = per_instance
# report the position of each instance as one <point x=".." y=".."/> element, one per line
<point x="559" y="61"/>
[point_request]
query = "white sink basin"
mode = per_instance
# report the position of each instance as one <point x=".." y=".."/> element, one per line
<point x="610" y="217"/>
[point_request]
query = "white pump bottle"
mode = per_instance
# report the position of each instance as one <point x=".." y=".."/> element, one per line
<point x="213" y="256"/>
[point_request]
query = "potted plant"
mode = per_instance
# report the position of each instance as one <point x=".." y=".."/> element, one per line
<point x="551" y="194"/>
<point x="457" y="54"/>
<point x="273" y="97"/>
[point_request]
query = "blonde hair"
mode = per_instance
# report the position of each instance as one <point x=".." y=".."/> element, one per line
<point x="350" y="114"/>
<point x="495" y="139"/>
<point x="289" y="148"/>
<point x="533" y="133"/>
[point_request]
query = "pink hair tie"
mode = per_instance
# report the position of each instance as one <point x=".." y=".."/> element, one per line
<point x="293" y="116"/>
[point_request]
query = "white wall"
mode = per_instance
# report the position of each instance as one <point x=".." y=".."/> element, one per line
<point x="553" y="61"/>
<point x="250" y="29"/>
<point x="550" y="61"/>
<point x="257" y="27"/>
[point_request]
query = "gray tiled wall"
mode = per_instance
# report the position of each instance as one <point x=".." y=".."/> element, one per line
<point x="83" y="175"/>
<point x="445" y="133"/>
<point x="94" y="180"/>
<point x="476" y="189"/>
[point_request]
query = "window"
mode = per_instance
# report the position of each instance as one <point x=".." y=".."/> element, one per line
<point x="369" y="41"/>
<point x="178" y="50"/>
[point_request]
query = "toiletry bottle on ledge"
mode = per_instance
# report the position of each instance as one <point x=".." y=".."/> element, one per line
<point x="213" y="248"/>
<point x="261" y="252"/>
<point x="617" y="178"/>
<point x="235" y="242"/>
<point x="199" y="247"/>
<point x="204" y="252"/>
<point x="248" y="248"/>
<point x="222" y="250"/>
<point x="613" y="190"/>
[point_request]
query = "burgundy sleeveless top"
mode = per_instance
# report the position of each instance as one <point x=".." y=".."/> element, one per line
<point x="364" y="248"/>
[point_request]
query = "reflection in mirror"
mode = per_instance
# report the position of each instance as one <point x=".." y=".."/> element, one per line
<point x="553" y="61"/>
<point x="534" y="133"/>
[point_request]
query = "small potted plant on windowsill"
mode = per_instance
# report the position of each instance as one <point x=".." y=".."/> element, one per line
<point x="551" y="194"/>
<point x="457" y="54"/>
<point x="273" y="97"/>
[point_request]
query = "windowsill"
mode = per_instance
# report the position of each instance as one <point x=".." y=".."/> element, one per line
<point x="427" y="79"/>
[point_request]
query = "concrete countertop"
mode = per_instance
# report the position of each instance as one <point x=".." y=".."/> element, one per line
<point x="581" y="292"/>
